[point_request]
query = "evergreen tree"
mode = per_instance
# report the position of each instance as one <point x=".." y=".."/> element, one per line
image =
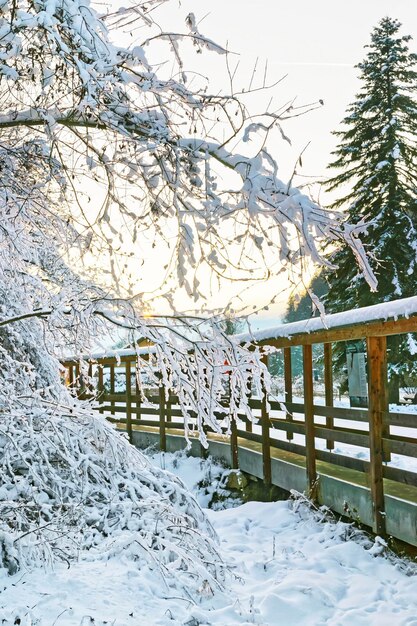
<point x="377" y="156"/>
<point x="302" y="307"/>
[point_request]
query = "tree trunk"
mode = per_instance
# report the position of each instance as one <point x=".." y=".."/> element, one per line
<point x="393" y="378"/>
<point x="394" y="388"/>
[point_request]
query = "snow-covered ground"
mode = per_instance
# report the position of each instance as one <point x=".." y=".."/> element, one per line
<point x="288" y="566"/>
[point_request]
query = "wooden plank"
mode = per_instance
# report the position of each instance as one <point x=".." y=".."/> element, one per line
<point x="324" y="455"/>
<point x="377" y="385"/>
<point x="404" y="477"/>
<point x="288" y="387"/>
<point x="341" y="413"/>
<point x="234" y="450"/>
<point x="296" y="426"/>
<point x="354" y="415"/>
<point x="402" y="445"/>
<point x="128" y="372"/>
<point x="112" y="387"/>
<point x="309" y="418"/>
<point x="344" y="435"/>
<point x="289" y="446"/>
<point x="135" y="397"/>
<point x="351" y="436"/>
<point x="255" y="403"/>
<point x="243" y="434"/>
<point x="155" y="424"/>
<point x="406" y="420"/>
<point x="340" y="460"/>
<point x="328" y="389"/>
<point x="133" y="410"/>
<point x="162" y="419"/>
<point x="265" y="425"/>
<point x="118" y="361"/>
<point x="100" y="386"/>
<point x="365" y="330"/>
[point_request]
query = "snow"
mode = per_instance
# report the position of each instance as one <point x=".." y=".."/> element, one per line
<point x="405" y="307"/>
<point x="109" y="354"/>
<point x="289" y="565"/>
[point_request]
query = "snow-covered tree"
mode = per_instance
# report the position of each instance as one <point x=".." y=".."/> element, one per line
<point x="69" y="485"/>
<point x="103" y="111"/>
<point x="377" y="159"/>
<point x="83" y="118"/>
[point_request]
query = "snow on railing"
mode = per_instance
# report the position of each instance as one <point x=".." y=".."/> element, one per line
<point x="110" y="354"/>
<point x="383" y="312"/>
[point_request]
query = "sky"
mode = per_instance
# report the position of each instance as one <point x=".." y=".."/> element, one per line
<point x="313" y="47"/>
<point x="315" y="44"/>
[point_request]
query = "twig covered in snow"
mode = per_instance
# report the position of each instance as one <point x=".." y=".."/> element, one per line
<point x="71" y="488"/>
<point x="106" y="114"/>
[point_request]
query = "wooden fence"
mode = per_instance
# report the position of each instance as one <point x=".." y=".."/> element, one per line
<point x="371" y="440"/>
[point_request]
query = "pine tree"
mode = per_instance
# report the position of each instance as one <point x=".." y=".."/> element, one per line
<point x="301" y="307"/>
<point x="377" y="156"/>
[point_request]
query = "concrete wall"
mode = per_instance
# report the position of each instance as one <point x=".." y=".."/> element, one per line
<point x="342" y="496"/>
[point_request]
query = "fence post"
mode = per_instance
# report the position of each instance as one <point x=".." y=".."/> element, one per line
<point x="77" y="379"/>
<point x="112" y="388"/>
<point x="137" y="391"/>
<point x="169" y="408"/>
<point x="309" y="418"/>
<point x="162" y="420"/>
<point x="89" y="383"/>
<point x="233" y="443"/>
<point x="288" y="388"/>
<point x="70" y="370"/>
<point x="377" y="366"/>
<point x="204" y="452"/>
<point x="100" y="386"/>
<point x="328" y="389"/>
<point x="265" y="423"/>
<point x="128" y="374"/>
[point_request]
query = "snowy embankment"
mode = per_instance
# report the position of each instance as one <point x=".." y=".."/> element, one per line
<point x="288" y="566"/>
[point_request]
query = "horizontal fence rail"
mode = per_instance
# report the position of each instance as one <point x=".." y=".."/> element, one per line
<point x="378" y="444"/>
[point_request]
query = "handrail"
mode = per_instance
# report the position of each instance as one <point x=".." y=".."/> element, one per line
<point x="378" y="320"/>
<point x="305" y="428"/>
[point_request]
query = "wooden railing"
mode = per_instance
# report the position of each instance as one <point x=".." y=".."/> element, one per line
<point x="367" y="440"/>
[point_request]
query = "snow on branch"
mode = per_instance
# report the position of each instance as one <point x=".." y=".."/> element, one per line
<point x="107" y="101"/>
<point x="95" y="142"/>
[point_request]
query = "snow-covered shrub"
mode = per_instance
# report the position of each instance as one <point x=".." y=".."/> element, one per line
<point x="72" y="487"/>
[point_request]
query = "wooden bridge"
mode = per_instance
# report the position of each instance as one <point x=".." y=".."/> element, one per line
<point x="360" y="462"/>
